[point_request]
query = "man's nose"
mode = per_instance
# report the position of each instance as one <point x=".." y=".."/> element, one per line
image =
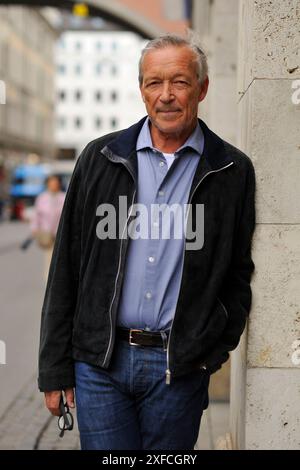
<point x="166" y="92"/>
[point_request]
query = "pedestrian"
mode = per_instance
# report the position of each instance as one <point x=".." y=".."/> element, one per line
<point x="136" y="325"/>
<point x="47" y="211"/>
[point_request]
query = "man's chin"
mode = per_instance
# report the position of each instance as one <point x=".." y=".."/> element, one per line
<point x="169" y="126"/>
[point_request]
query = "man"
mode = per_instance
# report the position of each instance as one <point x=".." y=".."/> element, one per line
<point x="138" y="324"/>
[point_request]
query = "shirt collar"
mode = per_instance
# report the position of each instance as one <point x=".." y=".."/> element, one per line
<point x="194" y="141"/>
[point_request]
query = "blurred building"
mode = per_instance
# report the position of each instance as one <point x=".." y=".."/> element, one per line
<point x="160" y="15"/>
<point x="96" y="86"/>
<point x="27" y="68"/>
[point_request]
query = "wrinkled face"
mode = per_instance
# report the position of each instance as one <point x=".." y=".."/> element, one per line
<point x="170" y="88"/>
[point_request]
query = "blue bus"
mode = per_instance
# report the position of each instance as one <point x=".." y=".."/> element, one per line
<point x="28" y="181"/>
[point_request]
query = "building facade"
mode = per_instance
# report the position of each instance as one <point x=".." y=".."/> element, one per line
<point x="27" y="69"/>
<point x="96" y="86"/>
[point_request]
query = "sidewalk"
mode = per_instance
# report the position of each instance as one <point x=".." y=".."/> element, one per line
<point x="27" y="425"/>
<point x="214" y="426"/>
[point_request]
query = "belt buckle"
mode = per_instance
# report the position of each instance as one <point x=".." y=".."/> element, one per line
<point x="130" y="337"/>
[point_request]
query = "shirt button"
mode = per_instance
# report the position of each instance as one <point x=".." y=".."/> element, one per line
<point x="151" y="259"/>
<point x="148" y="295"/>
<point x="155" y="224"/>
<point x="161" y="163"/>
<point x="161" y="193"/>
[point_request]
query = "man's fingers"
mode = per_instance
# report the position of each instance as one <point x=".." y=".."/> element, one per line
<point x="52" y="400"/>
<point x="69" y="392"/>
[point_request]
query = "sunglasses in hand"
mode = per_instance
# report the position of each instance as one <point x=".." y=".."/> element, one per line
<point x="65" y="421"/>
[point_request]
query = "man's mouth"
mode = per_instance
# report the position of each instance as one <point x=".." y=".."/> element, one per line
<point x="168" y="111"/>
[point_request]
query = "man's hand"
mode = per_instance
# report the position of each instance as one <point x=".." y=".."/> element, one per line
<point x="52" y="400"/>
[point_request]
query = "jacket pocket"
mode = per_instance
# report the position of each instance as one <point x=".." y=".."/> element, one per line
<point x="214" y="326"/>
<point x="224" y="308"/>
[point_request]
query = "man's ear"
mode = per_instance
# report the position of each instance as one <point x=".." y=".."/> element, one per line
<point x="203" y="90"/>
<point x="141" y="91"/>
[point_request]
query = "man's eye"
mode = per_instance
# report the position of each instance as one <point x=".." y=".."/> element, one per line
<point x="181" y="82"/>
<point x="153" y="83"/>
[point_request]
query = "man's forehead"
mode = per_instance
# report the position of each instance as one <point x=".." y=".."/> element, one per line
<point x="169" y="59"/>
<point x="171" y="52"/>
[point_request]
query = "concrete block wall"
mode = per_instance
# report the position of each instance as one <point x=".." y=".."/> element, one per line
<point x="224" y="99"/>
<point x="217" y="26"/>
<point x="265" y="381"/>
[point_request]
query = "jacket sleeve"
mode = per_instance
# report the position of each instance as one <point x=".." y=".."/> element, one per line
<point x="235" y="295"/>
<point x="56" y="370"/>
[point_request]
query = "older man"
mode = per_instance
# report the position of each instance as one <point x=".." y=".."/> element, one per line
<point x="138" y="323"/>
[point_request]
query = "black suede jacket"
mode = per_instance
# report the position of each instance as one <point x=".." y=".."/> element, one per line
<point x="86" y="273"/>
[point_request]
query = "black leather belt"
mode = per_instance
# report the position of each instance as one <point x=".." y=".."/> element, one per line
<point x="138" y="337"/>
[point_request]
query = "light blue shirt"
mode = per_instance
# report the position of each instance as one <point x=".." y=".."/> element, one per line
<point x="153" y="267"/>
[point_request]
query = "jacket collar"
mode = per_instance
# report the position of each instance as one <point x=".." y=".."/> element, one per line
<point x="123" y="149"/>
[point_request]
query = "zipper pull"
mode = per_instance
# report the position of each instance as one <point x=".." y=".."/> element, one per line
<point x="168" y="377"/>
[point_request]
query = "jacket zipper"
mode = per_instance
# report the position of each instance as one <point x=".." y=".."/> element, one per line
<point x="168" y="372"/>
<point x="119" y="268"/>
<point x="116" y="280"/>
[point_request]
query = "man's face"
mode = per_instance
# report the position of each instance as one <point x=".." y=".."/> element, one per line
<point x="171" y="90"/>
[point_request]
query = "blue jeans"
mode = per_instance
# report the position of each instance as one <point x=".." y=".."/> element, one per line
<point x="130" y="407"/>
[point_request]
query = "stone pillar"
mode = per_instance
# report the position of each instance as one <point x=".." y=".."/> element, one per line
<point x="265" y="381"/>
<point x="201" y="24"/>
<point x="216" y="25"/>
<point x="223" y="64"/>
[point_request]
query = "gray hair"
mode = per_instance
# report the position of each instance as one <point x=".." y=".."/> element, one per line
<point x="167" y="40"/>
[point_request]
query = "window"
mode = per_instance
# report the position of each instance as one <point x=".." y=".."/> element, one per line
<point x="62" y="95"/>
<point x="98" y="122"/>
<point x="98" y="68"/>
<point x="62" y="43"/>
<point x="78" y="45"/>
<point x="98" y="45"/>
<point x="78" y="95"/>
<point x="77" y="69"/>
<point x="114" y="95"/>
<point x="113" y="122"/>
<point x="61" y="122"/>
<point x="78" y="122"/>
<point x="114" y="70"/>
<point x="61" y="69"/>
<point x="98" y="95"/>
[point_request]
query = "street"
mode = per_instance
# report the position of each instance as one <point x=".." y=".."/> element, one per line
<point x="24" y="421"/>
<point x="22" y="287"/>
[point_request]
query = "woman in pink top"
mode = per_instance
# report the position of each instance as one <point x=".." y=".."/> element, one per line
<point x="47" y="210"/>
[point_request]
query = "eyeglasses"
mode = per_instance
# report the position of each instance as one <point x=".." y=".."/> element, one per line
<point x="65" y="421"/>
